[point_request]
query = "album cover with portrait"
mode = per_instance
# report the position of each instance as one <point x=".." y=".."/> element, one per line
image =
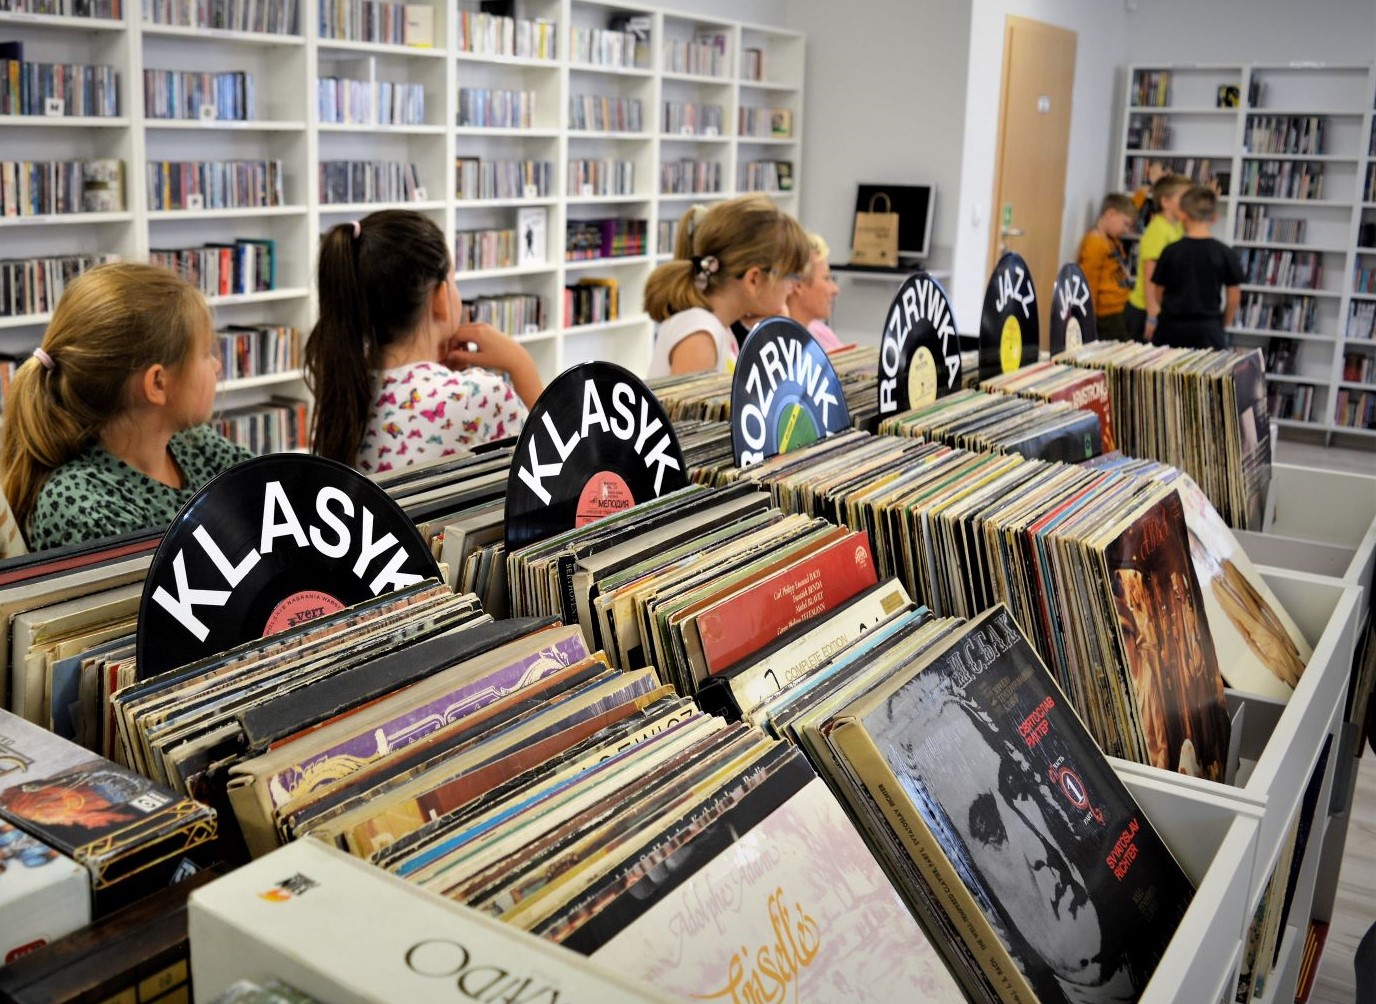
<point x="985" y="774"/>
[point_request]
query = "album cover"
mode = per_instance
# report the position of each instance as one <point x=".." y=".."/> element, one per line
<point x="530" y="233"/>
<point x="986" y="775"/>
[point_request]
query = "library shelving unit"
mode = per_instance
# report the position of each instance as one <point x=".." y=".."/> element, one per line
<point x="322" y="95"/>
<point x="1291" y="148"/>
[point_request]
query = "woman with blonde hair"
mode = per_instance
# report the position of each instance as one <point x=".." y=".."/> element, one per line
<point x="737" y="259"/>
<point x="104" y="427"/>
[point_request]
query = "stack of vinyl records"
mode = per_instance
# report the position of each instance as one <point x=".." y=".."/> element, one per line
<point x="1201" y="410"/>
<point x="1095" y="566"/>
<point x="1048" y="381"/>
<point x="998" y="424"/>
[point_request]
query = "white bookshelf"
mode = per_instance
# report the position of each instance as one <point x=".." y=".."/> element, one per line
<point x="1340" y="98"/>
<point x="288" y="126"/>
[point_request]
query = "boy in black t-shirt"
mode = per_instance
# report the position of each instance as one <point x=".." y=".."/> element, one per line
<point x="1190" y="278"/>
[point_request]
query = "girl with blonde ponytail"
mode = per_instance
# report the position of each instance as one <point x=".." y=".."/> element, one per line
<point x="739" y="258"/>
<point x="104" y="426"/>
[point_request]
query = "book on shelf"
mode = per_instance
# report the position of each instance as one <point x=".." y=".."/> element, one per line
<point x="55" y="89"/>
<point x="511" y="313"/>
<point x="502" y="179"/>
<point x="601" y="177"/>
<point x="253" y="350"/>
<point x="52" y="188"/>
<point x="419" y="28"/>
<point x="605" y="113"/>
<point x="280" y="426"/>
<point x="344" y="182"/>
<point x="191" y="95"/>
<point x="754" y="64"/>
<point x="248" y="265"/>
<point x="276" y="18"/>
<point x="591" y="301"/>
<point x="484" y="249"/>
<point x="486" y="108"/>
<point x="503" y="35"/>
<point x="35" y="285"/>
<point x="531" y="224"/>
<point x="224" y="184"/>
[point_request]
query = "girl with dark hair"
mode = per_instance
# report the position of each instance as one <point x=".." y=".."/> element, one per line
<point x="398" y="377"/>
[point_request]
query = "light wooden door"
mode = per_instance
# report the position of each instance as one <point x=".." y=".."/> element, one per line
<point x="1034" y="142"/>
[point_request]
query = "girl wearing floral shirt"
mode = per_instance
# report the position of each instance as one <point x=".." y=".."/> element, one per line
<point x="398" y="378"/>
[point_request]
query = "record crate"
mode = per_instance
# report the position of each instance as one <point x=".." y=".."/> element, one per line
<point x="1278" y="746"/>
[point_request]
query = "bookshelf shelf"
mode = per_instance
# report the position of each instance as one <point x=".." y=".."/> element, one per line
<point x="620" y="137"/>
<point x="522" y="133"/>
<point x="221" y="35"/>
<point x="694" y="196"/>
<point x="504" y="273"/>
<point x="1354" y="385"/>
<point x="1262" y="200"/>
<point x="682" y="137"/>
<point x="23" y="18"/>
<point x="1304" y="112"/>
<point x="529" y="62"/>
<point x="164" y="215"/>
<point x="267" y="296"/>
<point x="767" y="85"/>
<point x="1284" y="246"/>
<point x="1288" y="290"/>
<point x="766" y="140"/>
<point x="614" y="71"/>
<point x="257" y="382"/>
<point x="462" y="204"/>
<point x="1158" y="110"/>
<point x="698" y="78"/>
<point x="223" y="125"/>
<point x="388" y="130"/>
<point x="64" y="121"/>
<point x="65" y="219"/>
<point x="546" y="335"/>
<point x="1365" y="297"/>
<point x="379" y="49"/>
<point x="1303" y="336"/>
<point x="622" y="261"/>
<point x="621" y="322"/>
<point x="595" y="200"/>
<point x="1150" y="154"/>
<point x="364" y="208"/>
<point x="26" y="321"/>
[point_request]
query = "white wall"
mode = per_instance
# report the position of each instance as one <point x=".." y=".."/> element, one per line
<point x="1251" y="31"/>
<point x="772" y="13"/>
<point x="884" y="102"/>
<point x="1100" y="27"/>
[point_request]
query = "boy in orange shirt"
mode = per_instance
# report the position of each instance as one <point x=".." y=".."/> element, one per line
<point x="1105" y="265"/>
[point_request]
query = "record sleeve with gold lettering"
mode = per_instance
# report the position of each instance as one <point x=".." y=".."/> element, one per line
<point x="1072" y="311"/>
<point x="785" y="393"/>
<point x="596" y="442"/>
<point x="1009" y="325"/>
<point x="269" y="544"/>
<point x="919" y="354"/>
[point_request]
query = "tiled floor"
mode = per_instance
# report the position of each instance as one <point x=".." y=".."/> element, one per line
<point x="1355" y="908"/>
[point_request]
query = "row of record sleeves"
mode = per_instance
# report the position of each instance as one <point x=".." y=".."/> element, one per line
<point x="656" y="597"/>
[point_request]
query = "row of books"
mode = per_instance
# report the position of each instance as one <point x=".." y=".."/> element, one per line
<point x="754" y="64"/>
<point x="765" y="176"/>
<point x="187" y="94"/>
<point x="1149" y="132"/>
<point x="610" y="238"/>
<point x="343" y="182"/>
<point x="1200" y="170"/>
<point x="1363" y="279"/>
<point x="1289" y="269"/>
<point x="1369" y="189"/>
<point x="376" y="21"/>
<point x="773" y="122"/>
<point x="591" y="301"/>
<point x="1293" y="402"/>
<point x="693" y="119"/>
<point x="484" y="249"/>
<point x="1255" y="223"/>
<point x="607" y="47"/>
<point x="687" y="176"/>
<point x="1263" y="311"/>
<point x="1359" y="367"/>
<point x="1288" y="134"/>
<point x="107" y="10"/>
<point x="34" y="285"/>
<point x="1281" y="354"/>
<point x="279" y="427"/>
<point x="502" y="179"/>
<point x="248" y="265"/>
<point x="55" y="88"/>
<point x="605" y="113"/>
<point x="43" y="188"/>
<point x="370" y="102"/>
<point x="496" y="109"/>
<point x="496" y="35"/>
<point x="601" y="177"/>
<point x="704" y="56"/>
<point x="276" y="18"/>
<point x="1287" y="179"/>
<point x="512" y="313"/>
<point x="1355" y="409"/>
<point x="1361" y="321"/>
<point x="253" y="350"/>
<point x="666" y="232"/>
<point x="1151" y="88"/>
<point x="215" y="184"/>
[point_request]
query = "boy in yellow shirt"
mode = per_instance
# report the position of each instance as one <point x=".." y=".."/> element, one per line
<point x="1165" y="228"/>
<point x="1105" y="264"/>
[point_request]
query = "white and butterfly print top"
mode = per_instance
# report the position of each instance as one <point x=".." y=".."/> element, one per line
<point x="424" y="411"/>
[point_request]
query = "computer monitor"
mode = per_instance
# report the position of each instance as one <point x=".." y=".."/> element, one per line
<point x="914" y="205"/>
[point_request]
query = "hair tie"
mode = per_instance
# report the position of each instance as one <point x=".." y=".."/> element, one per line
<point x="45" y="359"/>
<point x="704" y="267"/>
<point x="358" y="229"/>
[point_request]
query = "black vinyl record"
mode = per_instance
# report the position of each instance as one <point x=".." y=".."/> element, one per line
<point x="596" y="442"/>
<point x="919" y="353"/>
<point x="784" y="394"/>
<point x="1009" y="324"/>
<point x="269" y="544"/>
<point x="1072" y="311"/>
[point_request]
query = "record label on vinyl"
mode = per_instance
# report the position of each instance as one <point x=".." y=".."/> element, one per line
<point x="597" y="442"/>
<point x="1072" y="312"/>
<point x="785" y="393"/>
<point x="919" y="354"/>
<point x="270" y="544"/>
<point x="1009" y="325"/>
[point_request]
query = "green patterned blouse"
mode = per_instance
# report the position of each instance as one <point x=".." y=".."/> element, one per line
<point x="98" y="495"/>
